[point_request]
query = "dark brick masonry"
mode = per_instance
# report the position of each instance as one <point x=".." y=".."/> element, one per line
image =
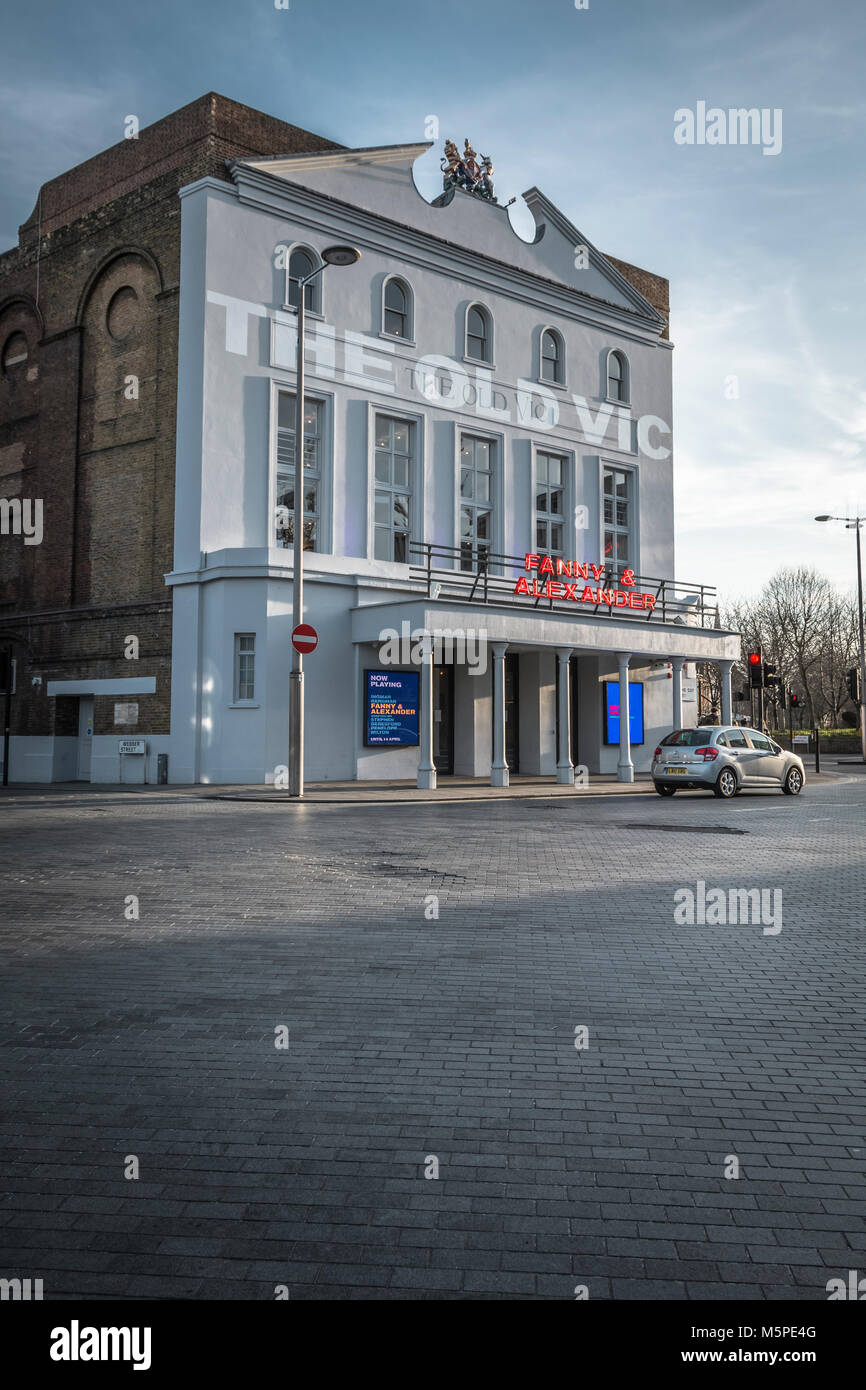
<point x="93" y="289"/>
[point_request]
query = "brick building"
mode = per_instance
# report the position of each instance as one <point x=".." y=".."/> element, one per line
<point x="88" y="386"/>
<point x="94" y="362"/>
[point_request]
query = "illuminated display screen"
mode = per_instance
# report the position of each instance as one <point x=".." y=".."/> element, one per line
<point x="611" y="712"/>
<point x="391" y="709"/>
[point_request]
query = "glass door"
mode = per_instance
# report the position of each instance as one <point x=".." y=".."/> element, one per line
<point x="443" y="719"/>
<point x="512" y="711"/>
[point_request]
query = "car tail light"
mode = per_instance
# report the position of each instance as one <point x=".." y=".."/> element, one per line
<point x="657" y="754"/>
<point x="709" y="755"/>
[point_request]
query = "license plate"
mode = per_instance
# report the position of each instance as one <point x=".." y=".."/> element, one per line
<point x="677" y="771"/>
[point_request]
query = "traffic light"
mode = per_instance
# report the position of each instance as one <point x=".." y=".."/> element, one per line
<point x="756" y="670"/>
<point x="852" y="680"/>
<point x="770" y="676"/>
<point x="795" y="701"/>
<point x="783" y="696"/>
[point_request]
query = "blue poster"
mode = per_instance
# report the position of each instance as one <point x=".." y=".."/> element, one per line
<point x="611" y="712"/>
<point x="391" y="709"/>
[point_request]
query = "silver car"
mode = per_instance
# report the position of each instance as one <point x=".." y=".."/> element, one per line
<point x="724" y="758"/>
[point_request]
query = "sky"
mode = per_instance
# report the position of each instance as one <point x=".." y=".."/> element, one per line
<point x="765" y="253"/>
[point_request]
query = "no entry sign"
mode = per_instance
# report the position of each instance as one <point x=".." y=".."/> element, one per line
<point x="305" y="638"/>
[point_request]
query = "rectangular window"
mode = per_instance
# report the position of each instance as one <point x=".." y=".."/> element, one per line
<point x="617" y="518"/>
<point x="476" y="501"/>
<point x="394" y="470"/>
<point x="245" y="666"/>
<point x="549" y="504"/>
<point x="285" y="517"/>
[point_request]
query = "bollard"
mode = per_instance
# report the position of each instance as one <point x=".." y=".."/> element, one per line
<point x="817" y="751"/>
<point x="161" y="769"/>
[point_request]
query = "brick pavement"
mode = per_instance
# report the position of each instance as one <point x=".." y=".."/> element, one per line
<point x="412" y="1039"/>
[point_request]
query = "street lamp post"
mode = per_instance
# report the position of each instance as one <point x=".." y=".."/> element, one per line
<point x="853" y="523"/>
<point x="333" y="255"/>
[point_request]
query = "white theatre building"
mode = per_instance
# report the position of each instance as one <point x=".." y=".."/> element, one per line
<point x="487" y="454"/>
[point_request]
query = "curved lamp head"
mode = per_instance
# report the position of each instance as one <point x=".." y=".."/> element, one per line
<point x="823" y="518"/>
<point x="341" y="255"/>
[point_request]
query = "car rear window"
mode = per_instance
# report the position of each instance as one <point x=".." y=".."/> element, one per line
<point x="688" y="738"/>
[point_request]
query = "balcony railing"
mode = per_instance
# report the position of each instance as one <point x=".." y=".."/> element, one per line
<point x="476" y="575"/>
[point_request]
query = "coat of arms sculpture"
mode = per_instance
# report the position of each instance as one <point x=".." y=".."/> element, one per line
<point x="464" y="171"/>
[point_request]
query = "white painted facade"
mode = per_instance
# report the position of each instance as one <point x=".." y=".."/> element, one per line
<point x="232" y="580"/>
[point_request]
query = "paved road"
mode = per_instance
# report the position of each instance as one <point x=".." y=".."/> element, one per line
<point x="412" y="1040"/>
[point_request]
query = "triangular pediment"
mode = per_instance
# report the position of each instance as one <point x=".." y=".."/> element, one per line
<point x="380" y="180"/>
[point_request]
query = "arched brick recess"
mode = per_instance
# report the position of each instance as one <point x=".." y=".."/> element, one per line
<point x="117" y="432"/>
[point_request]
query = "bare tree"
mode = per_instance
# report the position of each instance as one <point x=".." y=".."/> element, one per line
<point x="801" y="624"/>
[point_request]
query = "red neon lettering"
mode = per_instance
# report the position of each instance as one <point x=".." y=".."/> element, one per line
<point x="588" y="595"/>
<point x="581" y="571"/>
<point x="522" y="586"/>
<point x="635" y="600"/>
<point x="531" y="562"/>
<point x="571" y="592"/>
<point x="597" y="572"/>
<point x="546" y="566"/>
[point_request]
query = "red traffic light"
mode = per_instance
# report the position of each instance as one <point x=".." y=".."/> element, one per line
<point x="754" y="658"/>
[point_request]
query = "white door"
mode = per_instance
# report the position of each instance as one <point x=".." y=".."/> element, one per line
<point x="85" y="736"/>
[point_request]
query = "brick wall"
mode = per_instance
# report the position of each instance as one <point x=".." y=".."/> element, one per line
<point x="654" y="288"/>
<point x="87" y="421"/>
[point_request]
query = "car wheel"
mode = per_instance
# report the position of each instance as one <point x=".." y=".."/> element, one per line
<point x="793" y="783"/>
<point x="725" y="784"/>
<point x="665" y="791"/>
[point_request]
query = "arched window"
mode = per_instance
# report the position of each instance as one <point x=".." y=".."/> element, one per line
<point x="397" y="309"/>
<point x="617" y="376"/>
<point x="552" y="357"/>
<point x="301" y="264"/>
<point x="15" y="354"/>
<point x="479" y="334"/>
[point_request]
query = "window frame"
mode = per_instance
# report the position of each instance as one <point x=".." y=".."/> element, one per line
<point x="625" y="399"/>
<point x="238" y="700"/>
<point x="409" y="337"/>
<point x="326" y="470"/>
<point x="496" y="440"/>
<point x="314" y="309"/>
<point x="560" y="382"/>
<point x="395" y="489"/>
<point x="486" y="314"/>
<point x="566" y="457"/>
<point x="632" y="529"/>
<point x="417" y="505"/>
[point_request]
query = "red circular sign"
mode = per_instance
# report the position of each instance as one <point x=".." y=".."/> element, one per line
<point x="305" y="638"/>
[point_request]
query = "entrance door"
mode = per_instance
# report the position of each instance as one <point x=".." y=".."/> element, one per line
<point x="85" y="736"/>
<point x="512" y="711"/>
<point x="443" y="719"/>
